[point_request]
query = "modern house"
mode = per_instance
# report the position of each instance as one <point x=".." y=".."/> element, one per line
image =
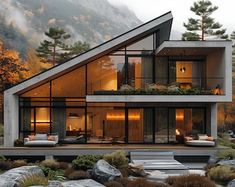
<point x="136" y="88"/>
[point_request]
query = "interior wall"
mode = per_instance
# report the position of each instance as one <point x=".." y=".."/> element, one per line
<point x="215" y="68"/>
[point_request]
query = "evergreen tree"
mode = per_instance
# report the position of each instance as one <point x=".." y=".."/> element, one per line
<point x="50" y="51"/>
<point x="55" y="50"/>
<point x="205" y="25"/>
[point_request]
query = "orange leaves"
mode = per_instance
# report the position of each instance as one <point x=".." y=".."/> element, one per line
<point x="12" y="68"/>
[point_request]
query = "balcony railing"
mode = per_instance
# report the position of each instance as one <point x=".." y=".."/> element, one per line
<point x="164" y="86"/>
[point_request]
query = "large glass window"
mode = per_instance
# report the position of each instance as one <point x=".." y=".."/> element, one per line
<point x="106" y="73"/>
<point x="143" y="44"/>
<point x="106" y="125"/>
<point x="188" y="73"/>
<point x="40" y="91"/>
<point x="140" y="71"/>
<point x="71" y="84"/>
<point x="161" y="125"/>
<point x="140" y="126"/>
<point x="190" y="121"/>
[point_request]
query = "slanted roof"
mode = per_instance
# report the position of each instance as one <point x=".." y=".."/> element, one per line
<point x="161" y="24"/>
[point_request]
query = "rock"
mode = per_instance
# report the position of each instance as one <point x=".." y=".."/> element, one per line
<point x="82" y="183"/>
<point x="231" y="183"/>
<point x="103" y="172"/>
<point x="197" y="172"/>
<point x="213" y="159"/>
<point x="14" y="177"/>
<point x="55" y="183"/>
<point x="157" y="175"/>
<point x="137" y="170"/>
<point x="227" y="163"/>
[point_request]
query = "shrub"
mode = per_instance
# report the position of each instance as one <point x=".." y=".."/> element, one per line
<point x="126" y="88"/>
<point x="117" y="159"/>
<point x="5" y="165"/>
<point x="85" y="162"/>
<point x="226" y="154"/>
<point x="68" y="171"/>
<point x="34" y="179"/>
<point x="63" y="165"/>
<point x="76" y="175"/>
<point x="2" y="157"/>
<point x="190" y="181"/>
<point x="56" y="174"/>
<point x="50" y="163"/>
<point x="18" y="163"/>
<point x="113" y="184"/>
<point x="221" y="174"/>
<point x="226" y="142"/>
<point x="124" y="181"/>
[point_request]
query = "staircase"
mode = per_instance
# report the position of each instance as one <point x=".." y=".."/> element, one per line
<point x="156" y="160"/>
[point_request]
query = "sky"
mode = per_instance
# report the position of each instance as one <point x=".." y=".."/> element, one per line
<point x="146" y="10"/>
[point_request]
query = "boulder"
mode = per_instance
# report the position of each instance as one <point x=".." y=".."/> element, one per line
<point x="137" y="170"/>
<point x="213" y="159"/>
<point x="55" y="183"/>
<point x="227" y="163"/>
<point x="13" y="177"/>
<point x="157" y="175"/>
<point x="104" y="172"/>
<point x="82" y="183"/>
<point x="231" y="183"/>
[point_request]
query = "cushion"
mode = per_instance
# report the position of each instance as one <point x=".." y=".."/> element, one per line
<point x="202" y="136"/>
<point x="41" y="137"/>
<point x="31" y="137"/>
<point x="188" y="138"/>
<point x="51" y="138"/>
<point x="210" y="138"/>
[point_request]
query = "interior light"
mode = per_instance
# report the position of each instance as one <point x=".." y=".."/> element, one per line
<point x="183" y="69"/>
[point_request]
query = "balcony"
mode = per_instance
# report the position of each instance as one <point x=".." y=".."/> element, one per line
<point x="166" y="86"/>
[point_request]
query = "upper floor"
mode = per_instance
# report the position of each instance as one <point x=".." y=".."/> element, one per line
<point x="141" y="66"/>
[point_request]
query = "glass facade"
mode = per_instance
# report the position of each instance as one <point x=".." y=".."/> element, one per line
<point x="59" y="105"/>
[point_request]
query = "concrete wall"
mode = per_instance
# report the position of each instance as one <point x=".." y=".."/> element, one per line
<point x="11" y="119"/>
<point x="214" y="120"/>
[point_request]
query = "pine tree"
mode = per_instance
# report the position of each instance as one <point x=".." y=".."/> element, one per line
<point x="56" y="50"/>
<point x="51" y="51"/>
<point x="205" y="25"/>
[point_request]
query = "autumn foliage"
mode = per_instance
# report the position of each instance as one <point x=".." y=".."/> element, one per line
<point x="12" y="68"/>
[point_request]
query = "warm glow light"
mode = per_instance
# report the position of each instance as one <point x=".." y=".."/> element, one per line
<point x="179" y="115"/>
<point x="177" y="132"/>
<point x="40" y="121"/>
<point x="121" y="116"/>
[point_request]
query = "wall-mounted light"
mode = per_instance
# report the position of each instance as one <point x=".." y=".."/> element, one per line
<point x="183" y="69"/>
<point x="73" y="115"/>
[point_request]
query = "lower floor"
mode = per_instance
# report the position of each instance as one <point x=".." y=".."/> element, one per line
<point x="142" y="123"/>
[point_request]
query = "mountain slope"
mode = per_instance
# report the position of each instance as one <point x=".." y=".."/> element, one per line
<point x="93" y="21"/>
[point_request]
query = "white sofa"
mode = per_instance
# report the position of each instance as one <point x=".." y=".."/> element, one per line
<point x="203" y="140"/>
<point x="41" y="140"/>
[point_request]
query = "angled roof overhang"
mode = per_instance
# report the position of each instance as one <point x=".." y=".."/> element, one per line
<point x="161" y="24"/>
<point x="177" y="47"/>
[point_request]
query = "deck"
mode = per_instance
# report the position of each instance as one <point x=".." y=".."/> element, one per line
<point x="73" y="150"/>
